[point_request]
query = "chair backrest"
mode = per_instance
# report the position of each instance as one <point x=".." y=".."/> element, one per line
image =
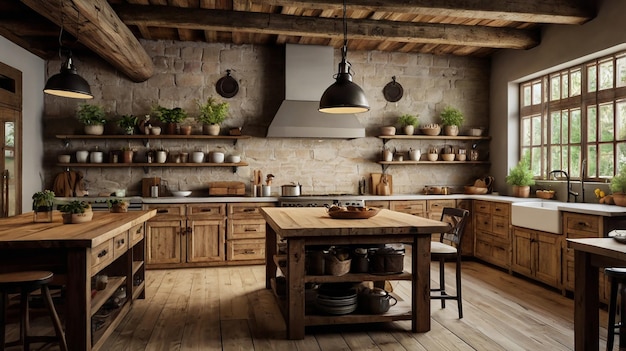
<point x="457" y="218"/>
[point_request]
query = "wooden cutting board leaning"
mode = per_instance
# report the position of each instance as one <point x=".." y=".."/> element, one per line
<point x="381" y="184"/>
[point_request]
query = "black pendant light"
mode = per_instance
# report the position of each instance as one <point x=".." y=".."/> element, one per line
<point x="344" y="96"/>
<point x="67" y="83"/>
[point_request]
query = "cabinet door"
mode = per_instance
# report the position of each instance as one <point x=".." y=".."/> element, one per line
<point x="205" y="240"/>
<point x="163" y="242"/>
<point x="522" y="252"/>
<point x="548" y="259"/>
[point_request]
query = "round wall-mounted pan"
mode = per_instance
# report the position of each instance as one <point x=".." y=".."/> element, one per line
<point x="227" y="86"/>
<point x="393" y="90"/>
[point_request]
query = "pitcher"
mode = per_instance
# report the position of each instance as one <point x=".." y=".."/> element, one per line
<point x="388" y="154"/>
<point x="414" y="154"/>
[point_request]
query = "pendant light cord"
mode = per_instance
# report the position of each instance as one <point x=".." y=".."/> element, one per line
<point x="344" y="49"/>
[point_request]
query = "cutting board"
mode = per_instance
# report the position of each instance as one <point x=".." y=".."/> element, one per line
<point x="375" y="179"/>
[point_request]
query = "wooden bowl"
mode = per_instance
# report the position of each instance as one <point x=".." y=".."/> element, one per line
<point x="431" y="131"/>
<point x="447" y="157"/>
<point x="545" y="194"/>
<point x="432" y="157"/>
<point x="470" y="189"/>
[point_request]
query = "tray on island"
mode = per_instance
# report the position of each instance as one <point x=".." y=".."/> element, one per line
<point x="365" y="212"/>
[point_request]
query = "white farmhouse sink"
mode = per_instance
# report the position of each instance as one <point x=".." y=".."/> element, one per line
<point x="538" y="215"/>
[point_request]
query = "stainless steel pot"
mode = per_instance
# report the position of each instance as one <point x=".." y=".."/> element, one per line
<point x="291" y="189"/>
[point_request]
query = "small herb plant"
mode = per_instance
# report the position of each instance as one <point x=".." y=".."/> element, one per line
<point x="169" y="115"/>
<point x="520" y="175"/>
<point x="127" y="122"/>
<point x="43" y="199"/>
<point x="408" y="120"/>
<point x="451" y="116"/>
<point x="212" y="112"/>
<point x="89" y="114"/>
<point x="618" y="183"/>
<point x="75" y="206"/>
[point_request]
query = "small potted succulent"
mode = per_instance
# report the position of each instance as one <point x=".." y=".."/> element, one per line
<point x="521" y="178"/>
<point x="212" y="114"/>
<point x="117" y="205"/>
<point x="408" y="122"/>
<point x="451" y="119"/>
<point x="43" y="204"/>
<point x="76" y="211"/>
<point x="169" y="116"/>
<point x="93" y="117"/>
<point x="618" y="187"/>
<point x="128" y="123"/>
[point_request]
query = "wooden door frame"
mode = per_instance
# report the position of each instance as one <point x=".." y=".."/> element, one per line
<point x="12" y="99"/>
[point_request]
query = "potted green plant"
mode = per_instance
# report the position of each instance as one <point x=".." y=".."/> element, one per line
<point x="212" y="114"/>
<point x="76" y="211"/>
<point x="93" y="117"/>
<point x="117" y="205"/>
<point x="451" y="119"/>
<point x="408" y="122"/>
<point x="169" y="116"/>
<point x="128" y="123"/>
<point x="521" y="178"/>
<point x="618" y="187"/>
<point x="43" y="204"/>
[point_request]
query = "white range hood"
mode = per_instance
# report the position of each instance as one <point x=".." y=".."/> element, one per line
<point x="309" y="70"/>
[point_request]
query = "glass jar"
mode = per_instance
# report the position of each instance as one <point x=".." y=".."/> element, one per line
<point x="42" y="213"/>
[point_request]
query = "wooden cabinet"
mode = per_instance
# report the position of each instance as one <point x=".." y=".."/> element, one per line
<point x="378" y="204"/>
<point x="245" y="235"/>
<point x="414" y="207"/>
<point x="186" y="235"/>
<point x="537" y="255"/>
<point x="492" y="242"/>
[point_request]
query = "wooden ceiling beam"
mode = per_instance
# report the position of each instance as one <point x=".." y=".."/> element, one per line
<point x="534" y="11"/>
<point x="98" y="27"/>
<point x="264" y="23"/>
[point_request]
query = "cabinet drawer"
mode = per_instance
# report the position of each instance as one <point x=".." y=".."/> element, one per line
<point x="493" y="250"/>
<point x="247" y="249"/>
<point x="483" y="221"/>
<point x="246" y="229"/>
<point x="377" y="204"/>
<point x="582" y="223"/>
<point x="247" y="210"/>
<point x="120" y="245"/>
<point x="500" y="209"/>
<point x="500" y="226"/>
<point x="101" y="256"/>
<point x="165" y="211"/>
<point x="136" y="233"/>
<point x="482" y="206"/>
<point x="417" y="208"/>
<point x="436" y="206"/>
<point x="206" y="210"/>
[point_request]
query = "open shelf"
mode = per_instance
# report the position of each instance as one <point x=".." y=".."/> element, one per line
<point x="103" y="295"/>
<point x="433" y="137"/>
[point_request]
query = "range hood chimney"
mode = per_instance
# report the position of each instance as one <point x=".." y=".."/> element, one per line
<point x="308" y="72"/>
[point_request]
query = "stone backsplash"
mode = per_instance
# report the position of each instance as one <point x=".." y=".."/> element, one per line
<point x="187" y="72"/>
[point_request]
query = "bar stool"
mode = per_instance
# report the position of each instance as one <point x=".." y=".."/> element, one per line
<point x="25" y="283"/>
<point x="617" y="277"/>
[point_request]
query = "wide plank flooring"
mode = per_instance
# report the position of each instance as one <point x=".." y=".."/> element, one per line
<point x="228" y="308"/>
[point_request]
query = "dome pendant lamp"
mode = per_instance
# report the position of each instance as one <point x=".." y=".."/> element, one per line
<point x="68" y="83"/>
<point x="344" y="96"/>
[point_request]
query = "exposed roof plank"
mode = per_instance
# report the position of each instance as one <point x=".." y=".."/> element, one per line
<point x="536" y="11"/>
<point x="203" y="19"/>
<point x="99" y="28"/>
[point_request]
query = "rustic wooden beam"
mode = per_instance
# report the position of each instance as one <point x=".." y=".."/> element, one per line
<point x="97" y="26"/>
<point x="534" y="11"/>
<point x="265" y="23"/>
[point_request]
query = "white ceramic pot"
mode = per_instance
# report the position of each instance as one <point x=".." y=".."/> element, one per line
<point x="155" y="130"/>
<point x="197" y="156"/>
<point x="95" y="157"/>
<point x="233" y="159"/>
<point x="414" y="155"/>
<point x="95" y="129"/>
<point x="161" y="156"/>
<point x="64" y="158"/>
<point x="211" y="129"/>
<point x="451" y="130"/>
<point x="217" y="157"/>
<point x="409" y="130"/>
<point x="82" y="156"/>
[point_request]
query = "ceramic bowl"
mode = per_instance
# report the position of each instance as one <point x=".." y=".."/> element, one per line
<point x="431" y="131"/>
<point x="233" y="159"/>
<point x="181" y="193"/>
<point x="64" y="158"/>
<point x="461" y="157"/>
<point x="447" y="157"/>
<point x="432" y="157"/>
<point x="388" y="130"/>
<point x="476" y="131"/>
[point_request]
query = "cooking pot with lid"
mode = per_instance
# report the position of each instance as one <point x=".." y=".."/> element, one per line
<point x="375" y="301"/>
<point x="292" y="189"/>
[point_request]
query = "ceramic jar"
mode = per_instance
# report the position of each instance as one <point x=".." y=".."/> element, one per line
<point x="217" y="157"/>
<point x="414" y="154"/>
<point x="197" y="156"/>
<point x="96" y="157"/>
<point x="82" y="156"/>
<point x="161" y="156"/>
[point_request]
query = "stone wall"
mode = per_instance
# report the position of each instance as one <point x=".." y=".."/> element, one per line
<point x="186" y="72"/>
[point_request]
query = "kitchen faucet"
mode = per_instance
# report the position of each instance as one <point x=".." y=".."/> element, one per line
<point x="569" y="187"/>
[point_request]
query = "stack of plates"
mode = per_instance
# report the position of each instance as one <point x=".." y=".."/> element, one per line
<point x="340" y="298"/>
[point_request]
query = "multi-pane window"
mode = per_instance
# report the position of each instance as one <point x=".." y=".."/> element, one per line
<point x="576" y="114"/>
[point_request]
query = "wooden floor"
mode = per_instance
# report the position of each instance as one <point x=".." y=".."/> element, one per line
<point x="228" y="308"/>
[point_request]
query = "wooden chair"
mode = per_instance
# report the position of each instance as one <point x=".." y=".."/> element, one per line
<point x="25" y="283"/>
<point x="617" y="277"/>
<point x="449" y="248"/>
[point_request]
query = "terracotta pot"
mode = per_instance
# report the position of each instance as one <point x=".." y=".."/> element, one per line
<point x="451" y="130"/>
<point x="127" y="156"/>
<point x="521" y="191"/>
<point x="619" y="199"/>
<point x="211" y="129"/>
<point x="185" y="130"/>
<point x="170" y="128"/>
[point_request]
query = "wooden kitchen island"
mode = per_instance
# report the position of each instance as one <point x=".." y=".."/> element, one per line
<point x="111" y="244"/>
<point x="300" y="227"/>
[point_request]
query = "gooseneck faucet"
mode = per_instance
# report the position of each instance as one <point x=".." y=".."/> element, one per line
<point x="569" y="187"/>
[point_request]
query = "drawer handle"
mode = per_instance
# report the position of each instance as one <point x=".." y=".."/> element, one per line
<point x="583" y="224"/>
<point x="165" y="210"/>
<point x="499" y="226"/>
<point x="206" y="210"/>
<point x="103" y="253"/>
<point x="248" y="252"/>
<point x="249" y="209"/>
<point x="121" y="242"/>
<point x="139" y="230"/>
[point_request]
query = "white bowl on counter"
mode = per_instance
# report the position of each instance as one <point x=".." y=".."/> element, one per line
<point x="181" y="193"/>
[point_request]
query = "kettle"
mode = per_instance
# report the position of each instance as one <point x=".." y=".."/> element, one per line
<point x="376" y="301"/>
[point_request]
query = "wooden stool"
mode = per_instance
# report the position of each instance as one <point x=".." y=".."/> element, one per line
<point x="24" y="283"/>
<point x="617" y="276"/>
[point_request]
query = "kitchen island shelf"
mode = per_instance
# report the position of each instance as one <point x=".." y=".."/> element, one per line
<point x="146" y="138"/>
<point x="102" y="296"/>
<point x="146" y="166"/>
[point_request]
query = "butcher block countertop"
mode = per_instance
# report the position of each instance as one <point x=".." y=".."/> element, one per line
<point x="21" y="232"/>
